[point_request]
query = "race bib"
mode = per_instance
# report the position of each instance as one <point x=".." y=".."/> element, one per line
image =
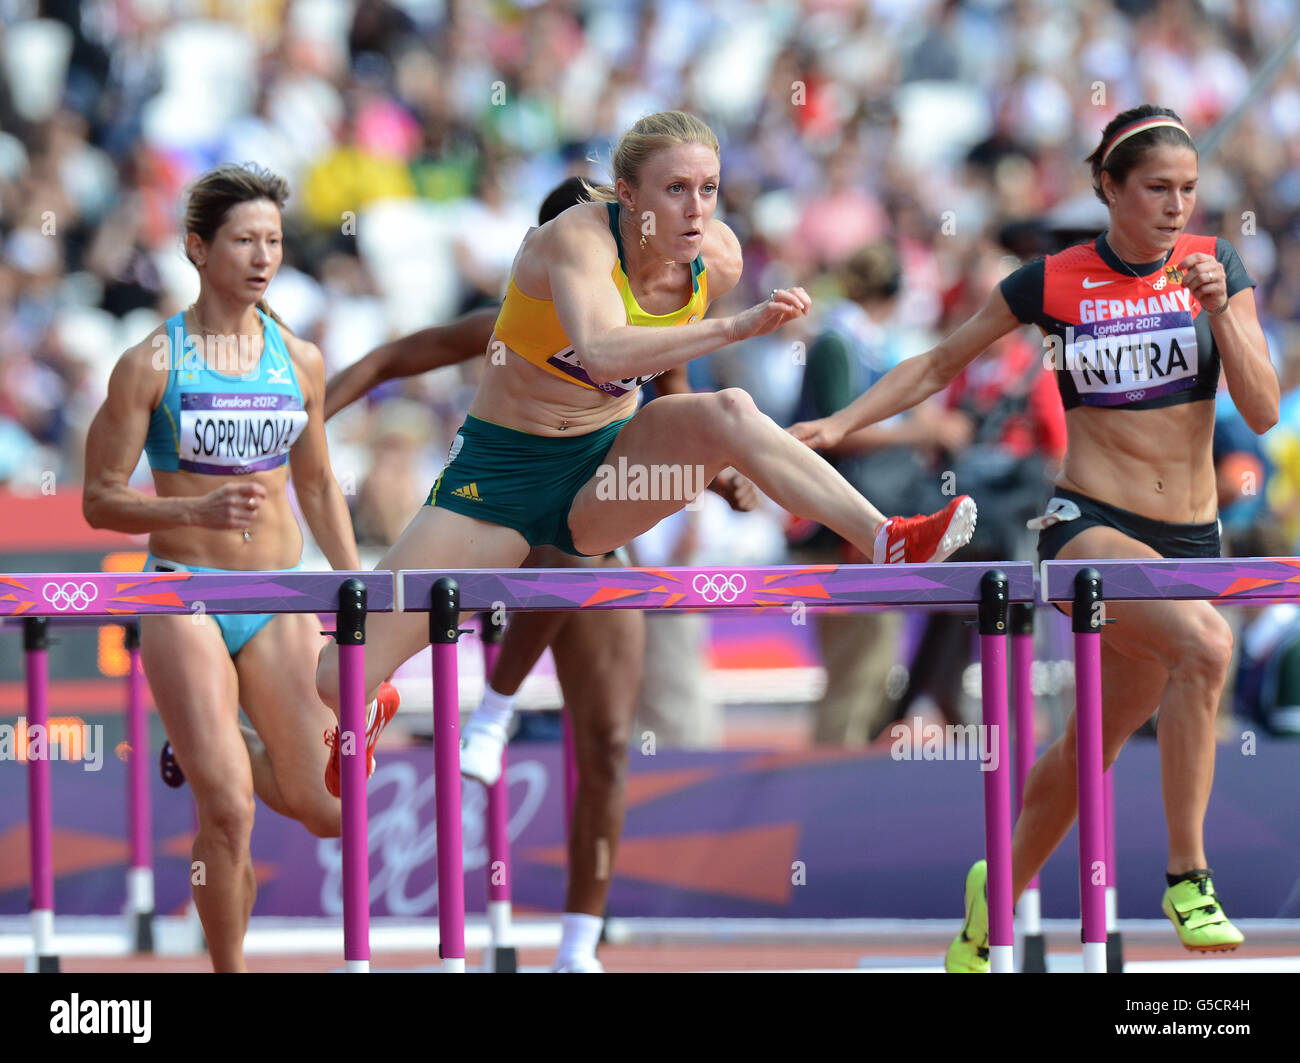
<point x="1128" y="359"/>
<point x="567" y="362"/>
<point x="234" y="434"/>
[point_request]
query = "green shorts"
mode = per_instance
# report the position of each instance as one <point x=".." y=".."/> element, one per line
<point x="521" y="481"/>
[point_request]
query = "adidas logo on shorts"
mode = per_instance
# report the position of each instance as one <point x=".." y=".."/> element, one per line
<point x="468" y="491"/>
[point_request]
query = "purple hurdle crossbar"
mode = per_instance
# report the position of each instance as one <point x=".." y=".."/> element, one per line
<point x="35" y="596"/>
<point x="445" y="594"/>
<point x="501" y="957"/>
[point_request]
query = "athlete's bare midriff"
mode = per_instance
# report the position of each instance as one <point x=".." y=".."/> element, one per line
<point x="275" y="540"/>
<point x="1156" y="463"/>
<point x="518" y="395"/>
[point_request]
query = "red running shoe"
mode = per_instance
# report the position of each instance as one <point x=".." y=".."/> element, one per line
<point x="919" y="540"/>
<point x="382" y="710"/>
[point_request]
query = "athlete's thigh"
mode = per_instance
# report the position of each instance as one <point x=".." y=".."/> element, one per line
<point x="196" y="690"/>
<point x="277" y="689"/>
<point x="1141" y="646"/>
<point x="1143" y="631"/>
<point x="664" y="450"/>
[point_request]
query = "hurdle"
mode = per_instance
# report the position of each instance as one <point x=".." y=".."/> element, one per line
<point x="1088" y="584"/>
<point x="139" y="909"/>
<point x="113" y="597"/>
<point x="444" y="595"/>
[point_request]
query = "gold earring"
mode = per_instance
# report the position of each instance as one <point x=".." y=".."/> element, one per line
<point x="643" y="241"/>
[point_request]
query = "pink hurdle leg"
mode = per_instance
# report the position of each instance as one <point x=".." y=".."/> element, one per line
<point x="350" y="634"/>
<point x="139" y="875"/>
<point x="1094" y="872"/>
<point x="443" y="632"/>
<point x="39" y="810"/>
<point x="503" y="957"/>
<point x="1029" y="910"/>
<point x="997" y="782"/>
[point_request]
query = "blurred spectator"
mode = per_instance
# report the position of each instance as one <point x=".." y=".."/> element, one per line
<point x="856" y="348"/>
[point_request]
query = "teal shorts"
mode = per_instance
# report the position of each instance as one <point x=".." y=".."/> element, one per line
<point x="521" y="481"/>
<point x="236" y="628"/>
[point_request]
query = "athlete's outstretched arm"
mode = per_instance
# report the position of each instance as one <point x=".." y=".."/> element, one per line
<point x="420" y="352"/>
<point x="915" y="380"/>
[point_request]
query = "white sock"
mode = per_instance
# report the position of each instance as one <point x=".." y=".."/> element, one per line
<point x="578" y="937"/>
<point x="495" y="708"/>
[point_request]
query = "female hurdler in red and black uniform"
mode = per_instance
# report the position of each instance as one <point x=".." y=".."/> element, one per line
<point x="1138" y="324"/>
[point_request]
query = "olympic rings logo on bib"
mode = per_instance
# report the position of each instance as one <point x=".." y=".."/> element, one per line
<point x="720" y="587"/>
<point x="70" y="595"/>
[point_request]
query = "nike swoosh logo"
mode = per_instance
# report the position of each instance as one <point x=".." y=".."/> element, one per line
<point x="1094" y="284"/>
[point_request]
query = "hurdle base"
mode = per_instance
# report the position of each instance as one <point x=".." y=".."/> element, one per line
<point x="41" y="965"/>
<point x="453" y="966"/>
<point x="502" y="959"/>
<point x="1001" y="959"/>
<point x="1094" y="957"/>
<point x="142" y="932"/>
<point x="356" y="966"/>
<point x="1034" y="954"/>
<point x="1114" y="952"/>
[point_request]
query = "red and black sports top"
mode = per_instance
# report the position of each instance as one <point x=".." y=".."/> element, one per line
<point x="1119" y="340"/>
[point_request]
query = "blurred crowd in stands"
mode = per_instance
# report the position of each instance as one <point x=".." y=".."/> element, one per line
<point x="895" y="157"/>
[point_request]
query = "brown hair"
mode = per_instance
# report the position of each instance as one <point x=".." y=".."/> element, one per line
<point x="1125" y="155"/>
<point x="213" y="195"/>
<point x="648" y="135"/>
<point x="872" y="272"/>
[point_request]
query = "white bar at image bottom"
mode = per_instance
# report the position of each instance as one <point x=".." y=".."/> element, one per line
<point x="1094" y="957"/>
<point x="356" y="966"/>
<point x="1112" y="909"/>
<point x="450" y="966"/>
<point x="1001" y="959"/>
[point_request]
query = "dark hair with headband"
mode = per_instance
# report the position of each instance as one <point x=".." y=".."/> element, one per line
<point x="1129" y="136"/>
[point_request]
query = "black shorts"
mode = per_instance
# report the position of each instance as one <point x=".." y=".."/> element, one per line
<point x="1168" y="540"/>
